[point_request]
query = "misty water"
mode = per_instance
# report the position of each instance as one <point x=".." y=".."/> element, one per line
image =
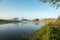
<point x="15" y="31"/>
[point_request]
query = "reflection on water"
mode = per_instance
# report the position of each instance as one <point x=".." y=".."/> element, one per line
<point x="36" y="23"/>
<point x="15" y="31"/>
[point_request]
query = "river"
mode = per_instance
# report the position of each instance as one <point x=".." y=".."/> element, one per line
<point x="15" y="31"/>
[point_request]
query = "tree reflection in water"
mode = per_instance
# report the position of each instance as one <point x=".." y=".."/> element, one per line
<point x="36" y="22"/>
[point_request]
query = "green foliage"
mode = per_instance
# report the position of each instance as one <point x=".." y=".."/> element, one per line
<point x="52" y="2"/>
<point x="47" y="32"/>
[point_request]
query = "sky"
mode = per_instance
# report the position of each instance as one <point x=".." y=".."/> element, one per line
<point x="29" y="9"/>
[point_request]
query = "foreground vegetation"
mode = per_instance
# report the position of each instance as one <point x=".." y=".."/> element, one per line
<point x="50" y="31"/>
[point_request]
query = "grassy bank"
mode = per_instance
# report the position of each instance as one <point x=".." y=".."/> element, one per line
<point x="50" y="31"/>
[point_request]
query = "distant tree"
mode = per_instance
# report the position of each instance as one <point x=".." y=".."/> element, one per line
<point x="36" y="19"/>
<point x="16" y="18"/>
<point x="24" y="19"/>
<point x="54" y="3"/>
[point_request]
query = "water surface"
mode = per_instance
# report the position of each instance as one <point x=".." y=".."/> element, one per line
<point x="15" y="31"/>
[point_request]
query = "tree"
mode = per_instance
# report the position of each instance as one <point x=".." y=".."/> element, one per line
<point x="36" y="19"/>
<point x="54" y="3"/>
<point x="16" y="19"/>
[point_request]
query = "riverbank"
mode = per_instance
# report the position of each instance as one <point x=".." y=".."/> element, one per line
<point x="50" y="31"/>
<point x="7" y="21"/>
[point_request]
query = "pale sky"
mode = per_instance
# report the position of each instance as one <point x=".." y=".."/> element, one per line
<point x="27" y="9"/>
